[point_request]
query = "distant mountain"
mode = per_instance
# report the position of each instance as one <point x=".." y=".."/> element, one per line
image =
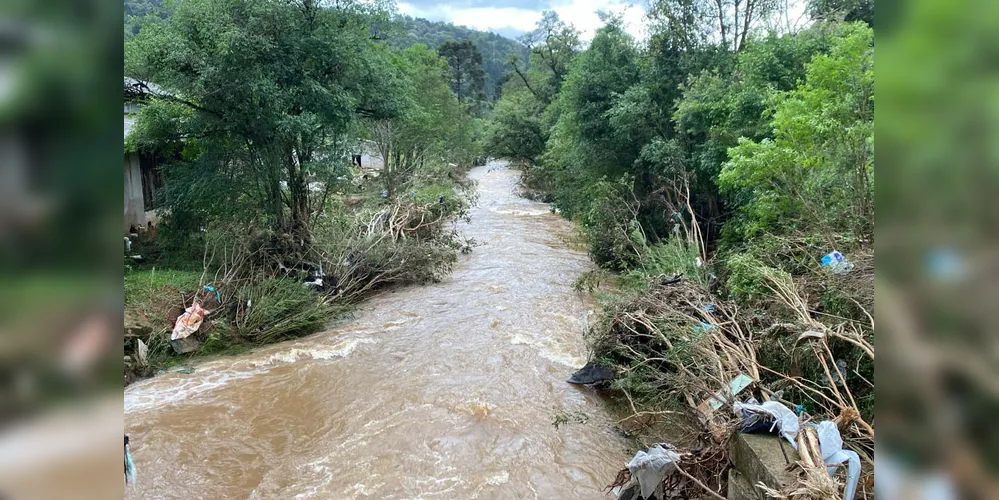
<point x="495" y="49"/>
<point x="403" y="32"/>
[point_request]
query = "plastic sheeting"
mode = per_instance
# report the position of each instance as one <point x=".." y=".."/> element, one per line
<point x="833" y="454"/>
<point x="188" y="322"/>
<point x="651" y="467"/>
<point x="785" y="419"/>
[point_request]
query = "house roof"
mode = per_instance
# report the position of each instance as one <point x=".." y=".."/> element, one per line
<point x="136" y="89"/>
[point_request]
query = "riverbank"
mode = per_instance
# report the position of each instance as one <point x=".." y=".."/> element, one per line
<point x="687" y="332"/>
<point x="733" y="216"/>
<point x="449" y="389"/>
<point x="249" y="286"/>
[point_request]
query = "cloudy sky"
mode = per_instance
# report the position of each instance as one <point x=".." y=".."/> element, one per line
<point x="513" y="18"/>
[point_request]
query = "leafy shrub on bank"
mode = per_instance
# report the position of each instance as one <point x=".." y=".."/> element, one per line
<point x="278" y="308"/>
<point x="613" y="234"/>
<point x="670" y="258"/>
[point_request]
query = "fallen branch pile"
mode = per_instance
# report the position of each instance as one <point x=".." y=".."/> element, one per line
<point x="677" y="345"/>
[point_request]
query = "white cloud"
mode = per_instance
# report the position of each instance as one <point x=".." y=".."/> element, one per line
<point x="485" y="18"/>
<point x="583" y="15"/>
<point x="580" y="13"/>
<point x="480" y="18"/>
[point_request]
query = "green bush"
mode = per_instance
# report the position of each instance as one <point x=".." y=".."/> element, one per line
<point x="273" y="309"/>
<point x="613" y="235"/>
<point x="744" y="278"/>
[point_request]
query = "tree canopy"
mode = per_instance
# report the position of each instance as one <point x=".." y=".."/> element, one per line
<point x="262" y="101"/>
<point x="467" y="78"/>
<point x="730" y="115"/>
<point x="400" y="31"/>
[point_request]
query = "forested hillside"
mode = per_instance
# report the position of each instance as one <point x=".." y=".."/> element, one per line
<point x="495" y="49"/>
<point x="139" y="12"/>
<point x="402" y="32"/>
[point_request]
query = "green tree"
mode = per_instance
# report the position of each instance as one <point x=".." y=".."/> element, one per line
<point x="599" y="77"/>
<point x="553" y="45"/>
<point x="735" y="19"/>
<point x="516" y="130"/>
<point x="139" y="12"/>
<point x="842" y="10"/>
<point x="817" y="173"/>
<point x="430" y="126"/>
<point x="467" y="76"/>
<point x="495" y="49"/>
<point x="260" y="96"/>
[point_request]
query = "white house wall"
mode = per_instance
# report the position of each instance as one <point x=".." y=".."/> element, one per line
<point x="135" y="213"/>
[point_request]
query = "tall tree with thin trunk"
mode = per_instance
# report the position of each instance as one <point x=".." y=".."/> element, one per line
<point x="553" y="45"/>
<point x="467" y="77"/>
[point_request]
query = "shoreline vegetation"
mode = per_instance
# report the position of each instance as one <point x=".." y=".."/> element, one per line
<point x="301" y="165"/>
<point x="725" y="188"/>
<point x="721" y="173"/>
<point x="267" y="297"/>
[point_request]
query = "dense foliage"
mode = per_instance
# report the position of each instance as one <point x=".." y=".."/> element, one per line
<point x="139" y="12"/>
<point x="401" y="32"/>
<point x="467" y="79"/>
<point x="775" y="137"/>
<point x="495" y="49"/>
<point x="257" y="111"/>
<point x="732" y="151"/>
<point x="260" y="94"/>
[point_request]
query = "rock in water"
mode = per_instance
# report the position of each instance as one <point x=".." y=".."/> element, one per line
<point x="592" y="373"/>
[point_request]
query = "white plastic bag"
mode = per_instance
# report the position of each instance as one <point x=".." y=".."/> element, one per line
<point x="651" y="467"/>
<point x="833" y="454"/>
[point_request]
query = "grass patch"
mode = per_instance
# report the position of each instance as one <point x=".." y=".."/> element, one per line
<point x="280" y="308"/>
<point x="147" y="287"/>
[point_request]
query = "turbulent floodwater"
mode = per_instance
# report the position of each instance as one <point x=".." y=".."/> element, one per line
<point x="441" y="391"/>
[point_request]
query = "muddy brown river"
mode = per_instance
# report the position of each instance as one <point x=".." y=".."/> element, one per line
<point x="440" y="391"/>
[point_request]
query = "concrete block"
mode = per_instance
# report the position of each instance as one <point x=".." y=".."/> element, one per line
<point x="739" y="487"/>
<point x="758" y="458"/>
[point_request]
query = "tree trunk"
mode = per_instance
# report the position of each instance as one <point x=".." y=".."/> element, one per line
<point x="457" y="69"/>
<point x="299" y="199"/>
<point x="748" y="18"/>
<point x="721" y="21"/>
<point x="271" y="166"/>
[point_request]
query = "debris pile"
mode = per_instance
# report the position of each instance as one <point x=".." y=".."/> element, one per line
<point x="259" y="286"/>
<point x="677" y="346"/>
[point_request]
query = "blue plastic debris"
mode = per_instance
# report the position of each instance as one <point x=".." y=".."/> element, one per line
<point x="837" y="262"/>
<point x="217" y="294"/>
<point x="703" y="327"/>
<point x="831" y="257"/>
